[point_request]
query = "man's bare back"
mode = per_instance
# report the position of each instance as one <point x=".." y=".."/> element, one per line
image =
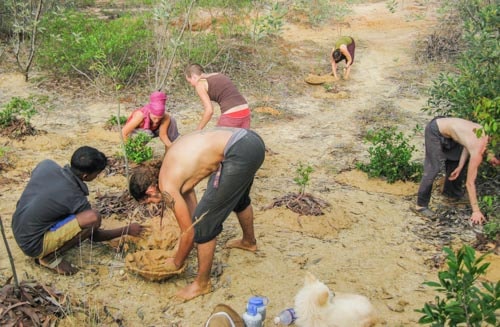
<point x="193" y="157"/>
<point x="463" y="132"/>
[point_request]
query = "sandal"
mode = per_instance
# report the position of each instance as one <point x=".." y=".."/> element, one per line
<point x="424" y="212"/>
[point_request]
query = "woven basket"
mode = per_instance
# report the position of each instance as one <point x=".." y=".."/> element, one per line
<point x="319" y="79"/>
<point x="150" y="264"/>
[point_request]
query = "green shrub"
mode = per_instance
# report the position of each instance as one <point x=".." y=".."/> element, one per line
<point x="137" y="149"/>
<point x="471" y="90"/>
<point x="491" y="228"/>
<point x="464" y="302"/>
<point x="268" y="25"/>
<point x="76" y="43"/>
<point x="113" y="121"/>
<point x="489" y="207"/>
<point x="390" y="156"/>
<point x="15" y="108"/>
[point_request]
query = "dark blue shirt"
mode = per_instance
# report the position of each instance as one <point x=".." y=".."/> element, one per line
<point x="52" y="194"/>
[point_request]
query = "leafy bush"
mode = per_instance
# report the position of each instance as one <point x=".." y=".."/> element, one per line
<point x="471" y="91"/>
<point x="77" y="43"/>
<point x="268" y="25"/>
<point x="390" y="156"/>
<point x="17" y="107"/>
<point x="113" y="121"/>
<point x="491" y="228"/>
<point x="463" y="302"/>
<point x="137" y="149"/>
<point x="489" y="207"/>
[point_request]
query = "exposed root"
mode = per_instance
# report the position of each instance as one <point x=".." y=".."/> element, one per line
<point x="123" y="204"/>
<point x="19" y="129"/>
<point x="303" y="204"/>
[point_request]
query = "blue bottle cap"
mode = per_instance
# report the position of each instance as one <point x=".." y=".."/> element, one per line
<point x="252" y="310"/>
<point x="256" y="300"/>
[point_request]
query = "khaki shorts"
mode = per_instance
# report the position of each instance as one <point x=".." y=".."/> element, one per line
<point x="54" y="240"/>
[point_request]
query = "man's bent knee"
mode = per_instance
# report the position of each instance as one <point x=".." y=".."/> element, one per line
<point x="89" y="219"/>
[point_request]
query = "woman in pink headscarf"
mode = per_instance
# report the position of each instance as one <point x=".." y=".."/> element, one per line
<point x="152" y="120"/>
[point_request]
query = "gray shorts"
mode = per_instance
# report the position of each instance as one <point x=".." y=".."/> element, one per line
<point x="228" y="189"/>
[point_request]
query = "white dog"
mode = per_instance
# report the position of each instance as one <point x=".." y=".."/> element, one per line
<point x="316" y="306"/>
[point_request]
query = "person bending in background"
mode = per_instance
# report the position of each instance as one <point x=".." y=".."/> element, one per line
<point x="230" y="157"/>
<point x="53" y="213"/>
<point x="152" y="120"/>
<point x="343" y="50"/>
<point x="219" y="88"/>
<point x="453" y="140"/>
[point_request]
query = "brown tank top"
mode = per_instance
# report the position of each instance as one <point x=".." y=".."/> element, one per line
<point x="222" y="90"/>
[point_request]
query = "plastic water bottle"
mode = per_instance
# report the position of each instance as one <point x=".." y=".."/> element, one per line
<point x="286" y="317"/>
<point x="251" y="317"/>
<point x="260" y="303"/>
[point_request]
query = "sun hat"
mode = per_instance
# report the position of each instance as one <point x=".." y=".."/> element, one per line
<point x="157" y="101"/>
<point x="224" y="316"/>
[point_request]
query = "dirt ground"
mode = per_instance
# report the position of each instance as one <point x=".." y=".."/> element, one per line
<point x="367" y="242"/>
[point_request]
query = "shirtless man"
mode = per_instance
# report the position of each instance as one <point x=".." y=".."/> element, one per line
<point x="230" y="157"/>
<point x="455" y="141"/>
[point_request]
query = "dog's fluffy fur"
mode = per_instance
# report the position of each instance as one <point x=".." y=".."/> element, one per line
<point x="316" y="306"/>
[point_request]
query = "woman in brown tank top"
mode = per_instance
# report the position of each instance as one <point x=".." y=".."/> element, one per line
<point x="218" y="88"/>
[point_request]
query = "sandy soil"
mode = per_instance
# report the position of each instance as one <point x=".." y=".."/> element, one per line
<point x="366" y="241"/>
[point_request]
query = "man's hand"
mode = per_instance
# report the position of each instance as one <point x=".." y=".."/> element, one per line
<point x="494" y="161"/>
<point x="135" y="229"/>
<point x="477" y="218"/>
<point x="170" y="264"/>
<point x="454" y="174"/>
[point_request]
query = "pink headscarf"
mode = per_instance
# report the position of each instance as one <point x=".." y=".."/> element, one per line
<point x="157" y="101"/>
<point x="156" y="106"/>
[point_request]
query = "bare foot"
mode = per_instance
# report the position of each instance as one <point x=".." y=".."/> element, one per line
<point x="59" y="265"/>
<point x="193" y="290"/>
<point x="240" y="244"/>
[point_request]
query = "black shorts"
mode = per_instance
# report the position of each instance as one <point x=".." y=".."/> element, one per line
<point x="228" y="189"/>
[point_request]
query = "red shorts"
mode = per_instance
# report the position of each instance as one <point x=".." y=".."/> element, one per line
<point x="240" y="118"/>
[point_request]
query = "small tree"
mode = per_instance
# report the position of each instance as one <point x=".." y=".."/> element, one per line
<point x="302" y="178"/>
<point x="25" y="17"/>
